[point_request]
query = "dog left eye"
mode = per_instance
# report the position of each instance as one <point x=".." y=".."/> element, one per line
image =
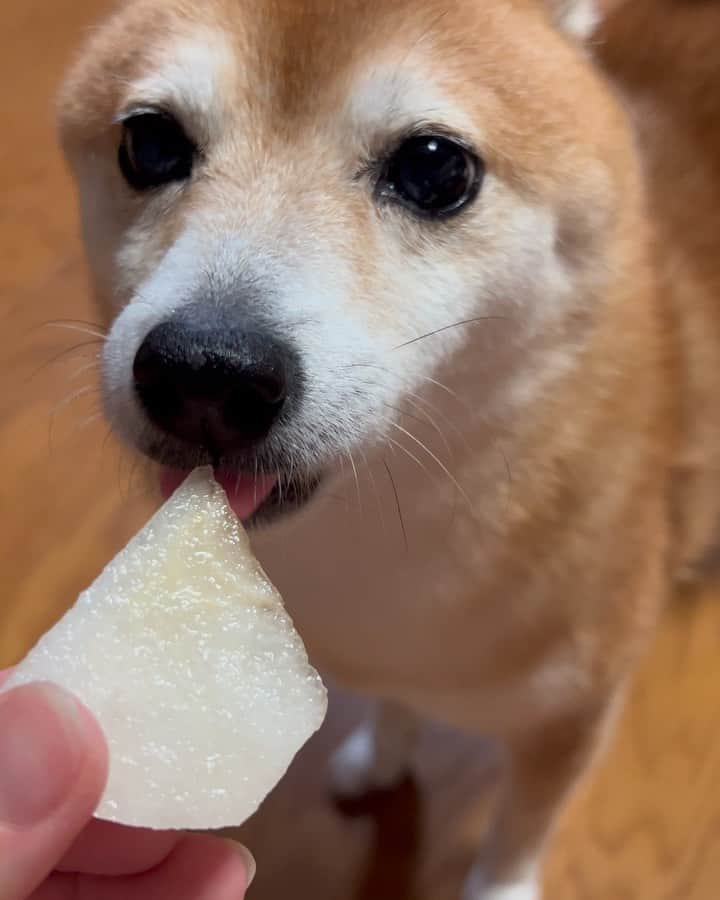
<point x="431" y="175"/>
<point x="155" y="151"/>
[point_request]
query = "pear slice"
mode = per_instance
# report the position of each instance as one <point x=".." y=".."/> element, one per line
<point x="183" y="651"/>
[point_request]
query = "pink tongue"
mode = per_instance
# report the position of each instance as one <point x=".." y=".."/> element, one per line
<point x="245" y="492"/>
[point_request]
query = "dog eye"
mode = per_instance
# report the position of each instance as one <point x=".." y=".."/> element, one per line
<point x="154" y="151"/>
<point x="433" y="176"/>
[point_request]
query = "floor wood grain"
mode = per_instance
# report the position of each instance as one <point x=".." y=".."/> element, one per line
<point x="645" y="826"/>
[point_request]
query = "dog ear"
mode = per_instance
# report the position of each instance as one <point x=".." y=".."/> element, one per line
<point x="578" y="18"/>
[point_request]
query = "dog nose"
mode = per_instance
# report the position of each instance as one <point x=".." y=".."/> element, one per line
<point x="212" y="387"/>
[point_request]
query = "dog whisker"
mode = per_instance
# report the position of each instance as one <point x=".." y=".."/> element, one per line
<point x="78" y="325"/>
<point x="419" y="402"/>
<point x="404" y="414"/>
<point x="409" y="453"/>
<point x="357" y="480"/>
<point x="280" y="485"/>
<point x="397" y="505"/>
<point x="375" y="490"/>
<point x="433" y="381"/>
<point x="341" y="463"/>
<point x="291" y="466"/>
<point x="443" y="387"/>
<point x="135" y="464"/>
<point x="87" y="367"/>
<point x="436" y="460"/>
<point x="132" y="472"/>
<point x="62" y="405"/>
<point x="473" y="321"/>
<point x="76" y="395"/>
<point x="89" y="420"/>
<point x="106" y="439"/>
<point x="66" y="352"/>
<point x="139" y="473"/>
<point x="507" y="465"/>
<point x="426" y="420"/>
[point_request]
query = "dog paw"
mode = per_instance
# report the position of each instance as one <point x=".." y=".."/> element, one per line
<point x="479" y="887"/>
<point x="358" y="768"/>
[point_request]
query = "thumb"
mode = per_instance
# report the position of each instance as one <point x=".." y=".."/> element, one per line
<point x="53" y="767"/>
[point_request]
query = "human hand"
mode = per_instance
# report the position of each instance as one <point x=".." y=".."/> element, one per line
<point x="53" y="768"/>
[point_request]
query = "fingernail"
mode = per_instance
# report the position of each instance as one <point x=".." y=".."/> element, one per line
<point x="248" y="859"/>
<point x="42" y="749"/>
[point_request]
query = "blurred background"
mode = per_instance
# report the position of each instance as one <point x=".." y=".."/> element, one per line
<point x="644" y="826"/>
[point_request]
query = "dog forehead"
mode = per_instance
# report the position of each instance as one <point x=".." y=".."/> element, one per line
<point x="293" y="56"/>
<point x="285" y="60"/>
<point x="264" y="68"/>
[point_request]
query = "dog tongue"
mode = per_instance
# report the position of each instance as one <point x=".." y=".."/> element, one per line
<point x="245" y="492"/>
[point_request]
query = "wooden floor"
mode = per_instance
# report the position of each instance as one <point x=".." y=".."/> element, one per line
<point x="646" y="825"/>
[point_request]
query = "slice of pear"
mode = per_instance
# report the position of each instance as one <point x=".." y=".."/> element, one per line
<point x="183" y="651"/>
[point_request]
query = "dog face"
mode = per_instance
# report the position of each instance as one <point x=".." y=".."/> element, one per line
<point x="282" y="199"/>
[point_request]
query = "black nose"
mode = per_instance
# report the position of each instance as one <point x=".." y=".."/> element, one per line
<point x="213" y="387"/>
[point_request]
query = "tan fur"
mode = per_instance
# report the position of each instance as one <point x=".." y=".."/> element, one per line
<point x="616" y="460"/>
<point x="669" y="80"/>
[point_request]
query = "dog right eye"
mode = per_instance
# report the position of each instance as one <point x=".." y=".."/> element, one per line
<point x="154" y="151"/>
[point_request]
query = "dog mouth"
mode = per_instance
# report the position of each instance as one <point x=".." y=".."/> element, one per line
<point x="254" y="498"/>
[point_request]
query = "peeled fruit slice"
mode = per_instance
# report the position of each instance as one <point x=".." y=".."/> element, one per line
<point x="183" y="651"/>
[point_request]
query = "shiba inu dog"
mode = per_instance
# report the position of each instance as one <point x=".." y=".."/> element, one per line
<point x="440" y="303"/>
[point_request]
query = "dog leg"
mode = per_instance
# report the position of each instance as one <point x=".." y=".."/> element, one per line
<point x="377" y="755"/>
<point x="542" y="769"/>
